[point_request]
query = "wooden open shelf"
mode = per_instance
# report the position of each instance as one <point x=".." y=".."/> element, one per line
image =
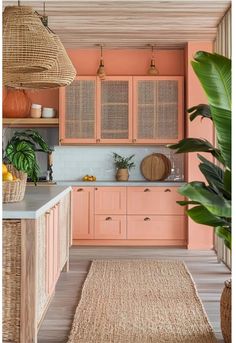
<point x="30" y="122"/>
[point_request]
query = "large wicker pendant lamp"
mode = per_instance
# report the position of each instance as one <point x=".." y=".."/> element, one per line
<point x="27" y="46"/>
<point x="61" y="74"/>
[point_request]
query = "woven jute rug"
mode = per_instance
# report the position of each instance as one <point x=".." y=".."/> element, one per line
<point x="140" y="301"/>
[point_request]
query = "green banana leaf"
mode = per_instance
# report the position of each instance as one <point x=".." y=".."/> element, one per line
<point x="214" y="203"/>
<point x="214" y="73"/>
<point x="201" y="110"/>
<point x="224" y="233"/>
<point x="196" y="145"/>
<point x="202" y="216"/>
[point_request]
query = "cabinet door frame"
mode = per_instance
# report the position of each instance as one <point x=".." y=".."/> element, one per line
<point x="62" y="115"/>
<point x="90" y="215"/>
<point x="180" y="80"/>
<point x="99" y="116"/>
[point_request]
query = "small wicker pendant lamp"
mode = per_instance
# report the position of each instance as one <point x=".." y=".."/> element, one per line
<point x="101" y="69"/>
<point x="152" y="70"/>
<point x="61" y="74"/>
<point x="27" y="46"/>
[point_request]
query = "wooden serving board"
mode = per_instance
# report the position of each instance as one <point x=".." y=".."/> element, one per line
<point x="155" y="167"/>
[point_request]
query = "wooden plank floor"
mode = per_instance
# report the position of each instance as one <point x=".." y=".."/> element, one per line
<point x="208" y="274"/>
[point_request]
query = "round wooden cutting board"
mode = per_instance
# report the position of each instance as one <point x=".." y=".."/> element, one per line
<point x="155" y="167"/>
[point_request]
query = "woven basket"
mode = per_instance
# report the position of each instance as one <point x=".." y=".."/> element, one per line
<point x="13" y="191"/>
<point x="27" y="46"/>
<point x="11" y="272"/>
<point x="61" y="74"/>
<point x="225" y="312"/>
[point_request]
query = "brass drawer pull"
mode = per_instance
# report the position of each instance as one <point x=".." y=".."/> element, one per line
<point x="167" y="190"/>
<point x="108" y="218"/>
<point x="79" y="189"/>
<point x="96" y="189"/>
<point x="147" y="190"/>
<point x="147" y="219"/>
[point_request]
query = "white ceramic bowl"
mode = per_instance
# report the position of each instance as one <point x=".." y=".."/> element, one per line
<point x="48" y="112"/>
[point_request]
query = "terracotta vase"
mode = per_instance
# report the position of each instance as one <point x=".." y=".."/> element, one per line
<point x="225" y="312"/>
<point x="122" y="175"/>
<point x="16" y="104"/>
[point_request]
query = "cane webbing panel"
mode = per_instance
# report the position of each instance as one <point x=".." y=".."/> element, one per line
<point x="157" y="109"/>
<point x="80" y="109"/>
<point x="114" y="109"/>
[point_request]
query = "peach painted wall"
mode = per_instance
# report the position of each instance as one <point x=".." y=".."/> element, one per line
<point x="199" y="236"/>
<point x="127" y="62"/>
<point x="117" y="62"/>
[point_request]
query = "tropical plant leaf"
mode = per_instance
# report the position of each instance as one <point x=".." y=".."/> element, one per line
<point x="196" y="145"/>
<point x="224" y="233"/>
<point x="186" y="202"/>
<point x="214" y="73"/>
<point x="227" y="180"/>
<point x="214" y="203"/>
<point x="202" y="216"/>
<point x="214" y="176"/>
<point x="201" y="110"/>
<point x="35" y="137"/>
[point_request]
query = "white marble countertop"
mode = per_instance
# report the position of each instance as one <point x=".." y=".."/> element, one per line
<point x="130" y="183"/>
<point x="37" y="201"/>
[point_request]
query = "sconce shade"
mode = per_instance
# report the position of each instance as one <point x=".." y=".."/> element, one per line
<point x="61" y="74"/>
<point x="27" y="46"/>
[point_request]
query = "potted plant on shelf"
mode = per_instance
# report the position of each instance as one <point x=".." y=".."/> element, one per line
<point x="123" y="165"/>
<point x="20" y="161"/>
<point x="211" y="200"/>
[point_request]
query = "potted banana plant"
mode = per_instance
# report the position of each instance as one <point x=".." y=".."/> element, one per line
<point x="211" y="200"/>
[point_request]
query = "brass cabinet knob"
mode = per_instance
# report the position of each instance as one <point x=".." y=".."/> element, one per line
<point x="98" y="140"/>
<point x="167" y="190"/>
<point x="147" y="190"/>
<point x="108" y="218"/>
<point x="147" y="219"/>
<point x="80" y="189"/>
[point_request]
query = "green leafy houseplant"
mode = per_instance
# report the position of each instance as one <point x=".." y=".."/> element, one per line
<point x="123" y="162"/>
<point x="21" y="152"/>
<point x="123" y="165"/>
<point x="211" y="200"/>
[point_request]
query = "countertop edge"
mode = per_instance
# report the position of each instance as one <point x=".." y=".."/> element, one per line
<point x="35" y="214"/>
<point x="121" y="183"/>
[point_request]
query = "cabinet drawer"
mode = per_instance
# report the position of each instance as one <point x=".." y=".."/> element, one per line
<point x="153" y="200"/>
<point x="156" y="227"/>
<point x="110" y="200"/>
<point x="110" y="227"/>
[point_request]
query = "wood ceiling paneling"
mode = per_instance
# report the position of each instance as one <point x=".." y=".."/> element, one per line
<point x="132" y="24"/>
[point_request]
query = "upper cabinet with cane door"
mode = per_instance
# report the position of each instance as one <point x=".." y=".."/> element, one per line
<point x="157" y="109"/>
<point x="77" y="105"/>
<point x="114" y="109"/>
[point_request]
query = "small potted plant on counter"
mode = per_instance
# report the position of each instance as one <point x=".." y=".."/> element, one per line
<point x="20" y="161"/>
<point x="123" y="165"/>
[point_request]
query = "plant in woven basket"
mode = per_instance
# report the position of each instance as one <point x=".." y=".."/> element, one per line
<point x="212" y="200"/>
<point x="123" y="165"/>
<point x="21" y="152"/>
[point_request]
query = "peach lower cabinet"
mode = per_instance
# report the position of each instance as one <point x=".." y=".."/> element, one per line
<point x="35" y="251"/>
<point x="128" y="216"/>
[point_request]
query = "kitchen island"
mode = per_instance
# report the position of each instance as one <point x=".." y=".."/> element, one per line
<point x="36" y="240"/>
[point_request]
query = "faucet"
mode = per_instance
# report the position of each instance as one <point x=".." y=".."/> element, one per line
<point x="50" y="164"/>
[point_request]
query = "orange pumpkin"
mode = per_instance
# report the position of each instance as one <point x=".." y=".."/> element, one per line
<point x="16" y="104"/>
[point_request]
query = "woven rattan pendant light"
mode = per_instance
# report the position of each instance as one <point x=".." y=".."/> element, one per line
<point x="27" y="46"/>
<point x="61" y="74"/>
<point x="101" y="69"/>
<point x="152" y="70"/>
